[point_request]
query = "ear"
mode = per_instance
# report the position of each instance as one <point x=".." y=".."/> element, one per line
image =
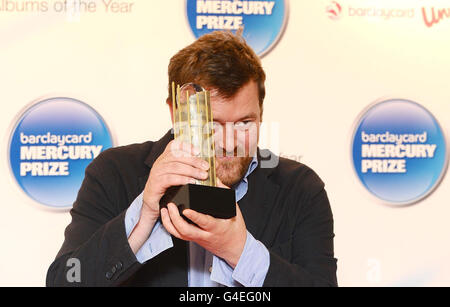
<point x="169" y="103"/>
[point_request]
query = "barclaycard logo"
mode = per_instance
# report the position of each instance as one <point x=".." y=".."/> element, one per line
<point x="334" y="10"/>
<point x="399" y="151"/>
<point x="51" y="145"/>
<point x="263" y="21"/>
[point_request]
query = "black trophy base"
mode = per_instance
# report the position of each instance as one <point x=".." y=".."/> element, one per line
<point x="216" y="202"/>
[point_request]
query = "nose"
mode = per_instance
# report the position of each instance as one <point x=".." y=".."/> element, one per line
<point x="230" y="142"/>
<point x="226" y="139"/>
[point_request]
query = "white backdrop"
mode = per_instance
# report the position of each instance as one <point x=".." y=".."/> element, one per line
<point x="321" y="75"/>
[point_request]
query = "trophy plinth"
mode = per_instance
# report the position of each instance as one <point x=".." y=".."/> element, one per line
<point x="217" y="202"/>
<point x="193" y="124"/>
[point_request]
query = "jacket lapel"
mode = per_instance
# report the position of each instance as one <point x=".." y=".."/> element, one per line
<point x="255" y="205"/>
<point x="157" y="149"/>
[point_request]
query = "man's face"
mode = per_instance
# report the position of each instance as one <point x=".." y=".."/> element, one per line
<point x="236" y="127"/>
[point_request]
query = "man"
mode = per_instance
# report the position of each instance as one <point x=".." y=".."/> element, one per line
<point x="282" y="234"/>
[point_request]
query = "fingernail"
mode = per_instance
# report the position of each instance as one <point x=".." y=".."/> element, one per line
<point x="205" y="165"/>
<point x="196" y="151"/>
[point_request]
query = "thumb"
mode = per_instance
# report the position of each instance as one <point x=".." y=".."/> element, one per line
<point x="221" y="185"/>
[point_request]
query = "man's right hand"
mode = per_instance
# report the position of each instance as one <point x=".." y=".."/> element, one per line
<point x="177" y="165"/>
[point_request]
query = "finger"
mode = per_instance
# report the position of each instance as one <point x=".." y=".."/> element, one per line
<point x="168" y="223"/>
<point x="221" y="185"/>
<point x="178" y="168"/>
<point x="186" y="159"/>
<point x="185" y="153"/>
<point x="170" y="180"/>
<point x="206" y="222"/>
<point x="182" y="147"/>
<point x="184" y="228"/>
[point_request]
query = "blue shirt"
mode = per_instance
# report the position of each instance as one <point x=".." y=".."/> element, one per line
<point x="206" y="269"/>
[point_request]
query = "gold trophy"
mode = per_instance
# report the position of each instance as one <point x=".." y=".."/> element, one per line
<point x="193" y="124"/>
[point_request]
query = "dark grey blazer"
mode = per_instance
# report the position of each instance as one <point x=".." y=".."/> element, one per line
<point x="286" y="208"/>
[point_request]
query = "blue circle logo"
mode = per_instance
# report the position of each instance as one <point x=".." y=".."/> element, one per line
<point x="263" y="21"/>
<point x="399" y="151"/>
<point x="51" y="145"/>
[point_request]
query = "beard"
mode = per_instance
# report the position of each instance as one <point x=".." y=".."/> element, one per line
<point x="231" y="170"/>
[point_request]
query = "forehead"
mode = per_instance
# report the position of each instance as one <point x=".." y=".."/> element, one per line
<point x="243" y="105"/>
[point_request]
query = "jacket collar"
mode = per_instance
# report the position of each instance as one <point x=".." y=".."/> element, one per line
<point x="158" y="148"/>
<point x="261" y="194"/>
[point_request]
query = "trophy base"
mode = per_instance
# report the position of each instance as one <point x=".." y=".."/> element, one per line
<point x="216" y="202"/>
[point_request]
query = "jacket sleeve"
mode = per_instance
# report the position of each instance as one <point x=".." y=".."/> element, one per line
<point x="307" y="258"/>
<point x="96" y="237"/>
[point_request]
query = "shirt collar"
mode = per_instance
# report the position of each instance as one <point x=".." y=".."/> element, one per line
<point x="253" y="165"/>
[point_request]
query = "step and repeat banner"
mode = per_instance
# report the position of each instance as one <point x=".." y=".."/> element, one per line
<point x="358" y="90"/>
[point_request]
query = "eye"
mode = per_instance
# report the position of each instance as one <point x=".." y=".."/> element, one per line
<point x="245" y="124"/>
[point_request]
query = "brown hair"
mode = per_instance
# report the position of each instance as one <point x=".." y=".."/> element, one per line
<point x="219" y="60"/>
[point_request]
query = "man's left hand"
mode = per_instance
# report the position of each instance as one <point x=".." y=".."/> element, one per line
<point x="223" y="238"/>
